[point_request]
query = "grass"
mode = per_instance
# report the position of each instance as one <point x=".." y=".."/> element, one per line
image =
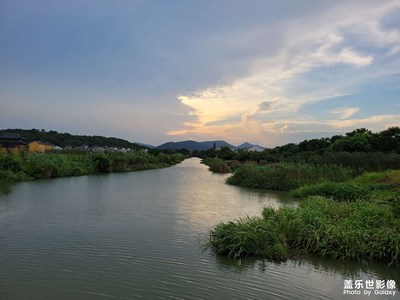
<point x="322" y="226"/>
<point x="217" y="165"/>
<point x="340" y="191"/>
<point x="388" y="179"/>
<point x="287" y="176"/>
<point x="383" y="188"/>
<point x="356" y="219"/>
<point x="30" y="166"/>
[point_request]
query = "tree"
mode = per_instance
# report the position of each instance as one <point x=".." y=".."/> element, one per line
<point x="226" y="153"/>
<point x="353" y="143"/>
<point x="358" y="131"/>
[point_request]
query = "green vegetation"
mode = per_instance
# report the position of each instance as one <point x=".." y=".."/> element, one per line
<point x="342" y="230"/>
<point x="345" y="213"/>
<point x="66" y="139"/>
<point x="356" y="219"/>
<point x="287" y="176"/>
<point x="29" y="166"/>
<point x="340" y="191"/>
<point x="217" y="165"/>
<point x="360" y="149"/>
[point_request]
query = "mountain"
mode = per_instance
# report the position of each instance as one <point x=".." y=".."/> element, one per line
<point x="245" y="146"/>
<point x="218" y="144"/>
<point x="146" y="145"/>
<point x="251" y="147"/>
<point x="190" y="145"/>
<point x="193" y="145"/>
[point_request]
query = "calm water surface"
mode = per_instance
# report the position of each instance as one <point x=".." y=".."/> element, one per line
<point x="138" y="236"/>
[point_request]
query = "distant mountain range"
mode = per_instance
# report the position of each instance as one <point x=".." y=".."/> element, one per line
<point x="145" y="145"/>
<point x="199" y="146"/>
<point x="66" y="139"/>
<point x="244" y="146"/>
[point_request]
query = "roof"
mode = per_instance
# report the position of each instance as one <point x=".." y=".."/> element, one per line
<point x="11" y="136"/>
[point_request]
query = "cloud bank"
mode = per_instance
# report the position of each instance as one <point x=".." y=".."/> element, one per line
<point x="320" y="59"/>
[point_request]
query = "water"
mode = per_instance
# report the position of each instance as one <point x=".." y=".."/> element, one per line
<point x="138" y="236"/>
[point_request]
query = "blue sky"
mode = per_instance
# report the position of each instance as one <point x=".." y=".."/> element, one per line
<point x="267" y="72"/>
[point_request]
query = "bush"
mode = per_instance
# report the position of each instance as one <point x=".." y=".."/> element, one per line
<point x="101" y="163"/>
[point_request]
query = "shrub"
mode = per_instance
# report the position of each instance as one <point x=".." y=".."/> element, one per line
<point x="101" y="163"/>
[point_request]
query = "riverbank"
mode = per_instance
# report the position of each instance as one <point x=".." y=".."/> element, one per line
<point x="143" y="228"/>
<point x="353" y="219"/>
<point x="31" y="166"/>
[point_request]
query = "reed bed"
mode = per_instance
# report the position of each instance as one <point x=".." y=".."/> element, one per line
<point x="341" y="230"/>
<point x="217" y="165"/>
<point x="29" y="166"/>
<point x="340" y="191"/>
<point x="287" y="176"/>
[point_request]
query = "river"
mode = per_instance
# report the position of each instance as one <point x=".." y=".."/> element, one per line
<point x="139" y="235"/>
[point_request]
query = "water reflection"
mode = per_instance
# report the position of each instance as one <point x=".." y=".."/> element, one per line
<point x="5" y="188"/>
<point x="136" y="236"/>
<point x="204" y="199"/>
<point x="312" y="276"/>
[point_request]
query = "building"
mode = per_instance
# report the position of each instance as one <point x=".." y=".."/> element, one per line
<point x="37" y="146"/>
<point x="12" y="142"/>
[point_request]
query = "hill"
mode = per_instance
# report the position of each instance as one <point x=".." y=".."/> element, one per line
<point x="251" y="147"/>
<point x="189" y="145"/>
<point x="66" y="139"/>
<point x="193" y="145"/>
<point x="218" y="144"/>
<point x="245" y="146"/>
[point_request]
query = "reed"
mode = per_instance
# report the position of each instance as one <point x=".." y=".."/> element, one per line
<point x="340" y="191"/>
<point x="287" y="176"/>
<point x="217" y="165"/>
<point x="342" y="230"/>
<point x="29" y="166"/>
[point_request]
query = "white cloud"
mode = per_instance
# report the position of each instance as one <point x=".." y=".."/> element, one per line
<point x="294" y="76"/>
<point x="344" y="112"/>
<point x="373" y="122"/>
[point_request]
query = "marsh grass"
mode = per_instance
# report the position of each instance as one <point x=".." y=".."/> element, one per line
<point x="380" y="187"/>
<point x="217" y="165"/>
<point x="287" y="176"/>
<point x="29" y="166"/>
<point x="341" y="230"/>
<point x="340" y="191"/>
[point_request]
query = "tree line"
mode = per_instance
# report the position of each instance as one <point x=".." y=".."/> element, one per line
<point x="67" y="139"/>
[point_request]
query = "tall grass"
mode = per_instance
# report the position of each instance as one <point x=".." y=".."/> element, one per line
<point x="217" y="165"/>
<point x="48" y="165"/>
<point x="363" y="161"/>
<point x="374" y="186"/>
<point x="340" y="191"/>
<point x="287" y="176"/>
<point x="342" y="230"/>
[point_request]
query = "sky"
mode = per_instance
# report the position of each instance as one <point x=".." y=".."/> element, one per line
<point x="264" y="72"/>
